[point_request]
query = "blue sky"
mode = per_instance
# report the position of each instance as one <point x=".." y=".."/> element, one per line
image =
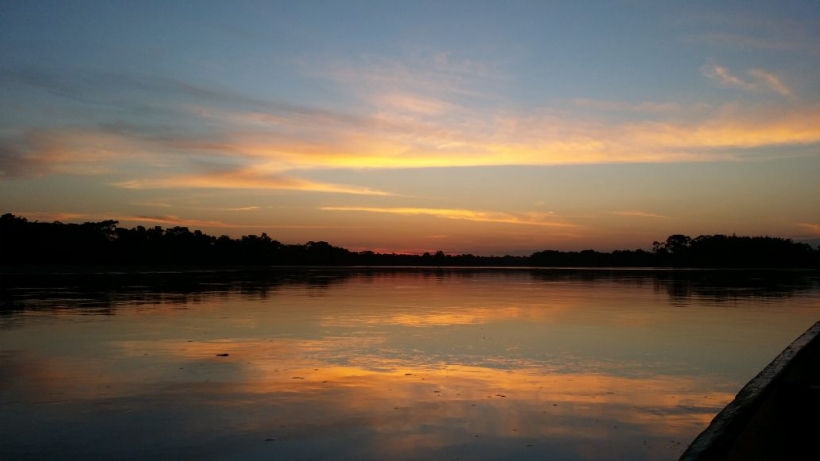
<point x="480" y="127"/>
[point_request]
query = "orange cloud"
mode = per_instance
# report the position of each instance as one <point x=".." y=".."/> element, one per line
<point x="163" y="219"/>
<point x="153" y="204"/>
<point x="398" y="140"/>
<point x="168" y="205"/>
<point x="815" y="228"/>
<point x="408" y="122"/>
<point x="51" y="216"/>
<point x="76" y="152"/>
<point x="248" y="178"/>
<point x="177" y="221"/>
<point x="545" y="140"/>
<point x="528" y="219"/>
<point x="639" y="214"/>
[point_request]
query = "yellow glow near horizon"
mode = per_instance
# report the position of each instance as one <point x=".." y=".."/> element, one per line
<point x="541" y="140"/>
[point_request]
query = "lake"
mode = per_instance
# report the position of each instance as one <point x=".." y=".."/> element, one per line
<point x="383" y="363"/>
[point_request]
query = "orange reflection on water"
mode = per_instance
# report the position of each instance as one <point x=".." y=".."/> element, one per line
<point x="417" y="409"/>
<point x="410" y="365"/>
<point x="396" y="396"/>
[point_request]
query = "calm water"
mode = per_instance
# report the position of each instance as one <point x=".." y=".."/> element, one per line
<point x="393" y="364"/>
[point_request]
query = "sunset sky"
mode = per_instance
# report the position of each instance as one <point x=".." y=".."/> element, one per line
<point x="469" y="127"/>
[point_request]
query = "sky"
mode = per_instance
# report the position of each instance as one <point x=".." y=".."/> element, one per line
<point x="481" y="127"/>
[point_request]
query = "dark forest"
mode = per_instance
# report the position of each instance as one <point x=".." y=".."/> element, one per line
<point x="24" y="242"/>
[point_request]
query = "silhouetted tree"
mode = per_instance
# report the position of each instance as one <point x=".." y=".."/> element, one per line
<point x="26" y="242"/>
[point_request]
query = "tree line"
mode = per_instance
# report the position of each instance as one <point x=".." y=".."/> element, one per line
<point x="24" y="242"/>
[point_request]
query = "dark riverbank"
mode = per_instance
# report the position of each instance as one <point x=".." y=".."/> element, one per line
<point x="23" y="242"/>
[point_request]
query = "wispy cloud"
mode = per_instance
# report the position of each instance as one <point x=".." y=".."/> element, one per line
<point x="177" y="221"/>
<point x="168" y="205"/>
<point x="161" y="219"/>
<point x="750" y="30"/>
<point x="770" y="80"/>
<point x="813" y="227"/>
<point x="406" y="121"/>
<point x="153" y="204"/>
<point x="173" y="220"/>
<point x="552" y="137"/>
<point x="74" y="151"/>
<point x="248" y="178"/>
<point x="722" y="75"/>
<point x="527" y="219"/>
<point x="547" y="138"/>
<point x="757" y="79"/>
<point x="639" y="214"/>
<point x="49" y="216"/>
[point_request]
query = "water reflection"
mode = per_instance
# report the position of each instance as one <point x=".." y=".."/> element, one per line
<point x="100" y="292"/>
<point x="372" y="364"/>
<point x="310" y="409"/>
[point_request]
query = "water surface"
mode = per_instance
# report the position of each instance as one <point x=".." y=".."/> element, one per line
<point x="383" y="364"/>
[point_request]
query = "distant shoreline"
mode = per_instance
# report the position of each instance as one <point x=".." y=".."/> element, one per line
<point x="104" y="243"/>
<point x="85" y="269"/>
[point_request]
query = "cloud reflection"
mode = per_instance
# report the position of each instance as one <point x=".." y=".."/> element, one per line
<point x="279" y="388"/>
<point x="384" y="365"/>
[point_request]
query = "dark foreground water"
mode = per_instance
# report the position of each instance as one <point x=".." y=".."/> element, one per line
<point x="383" y="364"/>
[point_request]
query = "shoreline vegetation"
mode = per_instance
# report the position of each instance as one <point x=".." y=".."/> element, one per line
<point x="24" y="242"/>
